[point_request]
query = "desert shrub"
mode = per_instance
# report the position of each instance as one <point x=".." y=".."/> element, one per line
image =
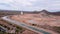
<point x="57" y="29"/>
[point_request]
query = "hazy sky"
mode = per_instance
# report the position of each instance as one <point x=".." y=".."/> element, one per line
<point x="28" y="5"/>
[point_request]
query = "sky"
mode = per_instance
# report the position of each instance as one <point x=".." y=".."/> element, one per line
<point x="30" y="5"/>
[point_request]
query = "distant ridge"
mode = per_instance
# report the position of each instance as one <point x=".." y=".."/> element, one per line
<point x="13" y="12"/>
<point x="44" y="11"/>
<point x="55" y="13"/>
<point x="50" y="13"/>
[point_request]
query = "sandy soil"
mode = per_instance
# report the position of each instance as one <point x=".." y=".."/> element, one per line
<point x="38" y="19"/>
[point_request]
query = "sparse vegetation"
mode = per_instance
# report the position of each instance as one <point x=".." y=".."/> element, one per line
<point x="57" y="29"/>
<point x="3" y="32"/>
<point x="39" y="18"/>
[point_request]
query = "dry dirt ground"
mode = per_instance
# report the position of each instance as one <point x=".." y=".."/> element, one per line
<point x="38" y="19"/>
<point x="45" y="21"/>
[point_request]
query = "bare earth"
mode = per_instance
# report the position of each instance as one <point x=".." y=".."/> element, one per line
<point x="38" y="20"/>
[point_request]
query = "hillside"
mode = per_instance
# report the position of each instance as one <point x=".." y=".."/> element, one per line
<point x="43" y="19"/>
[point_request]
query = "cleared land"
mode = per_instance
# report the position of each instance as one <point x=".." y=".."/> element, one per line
<point x="42" y="20"/>
<point x="38" y="19"/>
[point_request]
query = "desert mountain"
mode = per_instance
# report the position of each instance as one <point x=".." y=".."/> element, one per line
<point x="50" y="13"/>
